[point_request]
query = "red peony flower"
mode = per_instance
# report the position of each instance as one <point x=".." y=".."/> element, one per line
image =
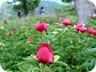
<point x="83" y="29"/>
<point x="15" y="29"/>
<point x="45" y="54"/>
<point x="58" y="19"/>
<point x="66" y="22"/>
<point x="91" y="31"/>
<point x="41" y="27"/>
<point x="94" y="33"/>
<point x="91" y="16"/>
<point x="80" y="28"/>
<point x="30" y="40"/>
<point x="5" y="21"/>
<point x="25" y="23"/>
<point x="79" y="25"/>
<point x="10" y="33"/>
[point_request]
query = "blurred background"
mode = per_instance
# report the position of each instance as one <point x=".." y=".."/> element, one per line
<point x="8" y="8"/>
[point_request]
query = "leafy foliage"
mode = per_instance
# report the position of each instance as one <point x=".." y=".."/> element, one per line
<point x="77" y="51"/>
<point x="26" y="5"/>
<point x="67" y="0"/>
<point x="92" y="21"/>
<point x="65" y="11"/>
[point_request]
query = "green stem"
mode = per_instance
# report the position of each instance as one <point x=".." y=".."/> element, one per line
<point x="43" y="38"/>
<point x="43" y="68"/>
<point x="49" y="68"/>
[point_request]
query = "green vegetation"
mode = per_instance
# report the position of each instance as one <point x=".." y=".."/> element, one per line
<point x="77" y="51"/>
<point x="66" y="11"/>
<point x="67" y="0"/>
<point x="26" y="5"/>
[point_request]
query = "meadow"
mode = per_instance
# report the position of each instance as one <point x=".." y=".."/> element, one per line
<point x="73" y="46"/>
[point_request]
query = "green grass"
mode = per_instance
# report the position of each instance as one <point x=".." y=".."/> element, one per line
<point x="77" y="51"/>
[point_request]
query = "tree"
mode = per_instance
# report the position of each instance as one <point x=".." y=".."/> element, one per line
<point x="84" y="9"/>
<point x="26" y="5"/>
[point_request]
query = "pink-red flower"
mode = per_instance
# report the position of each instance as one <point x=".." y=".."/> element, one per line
<point x="91" y="31"/>
<point x="77" y="26"/>
<point x="5" y="21"/>
<point x="15" y="29"/>
<point x="41" y="27"/>
<point x="66" y="22"/>
<point x="83" y="29"/>
<point x="80" y="28"/>
<point x="10" y="33"/>
<point x="25" y="23"/>
<point x="45" y="54"/>
<point x="58" y="19"/>
<point x="91" y="16"/>
<point x="30" y="40"/>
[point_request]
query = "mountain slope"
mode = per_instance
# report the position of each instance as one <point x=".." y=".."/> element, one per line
<point x="49" y="6"/>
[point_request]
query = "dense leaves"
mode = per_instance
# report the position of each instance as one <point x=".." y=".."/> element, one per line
<point x="26" y="5"/>
<point x="67" y="0"/>
<point x="18" y="51"/>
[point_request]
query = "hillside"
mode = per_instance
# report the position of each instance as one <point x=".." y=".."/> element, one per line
<point x="6" y="10"/>
<point x="49" y="6"/>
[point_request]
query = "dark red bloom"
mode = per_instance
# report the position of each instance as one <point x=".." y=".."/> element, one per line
<point x="91" y="16"/>
<point x="83" y="29"/>
<point x="91" y="31"/>
<point x="79" y="25"/>
<point x="45" y="54"/>
<point x="15" y="29"/>
<point x="30" y="40"/>
<point x="80" y="28"/>
<point x="41" y="27"/>
<point x="58" y="19"/>
<point x="10" y="33"/>
<point x="5" y="21"/>
<point x="25" y="23"/>
<point x="66" y="22"/>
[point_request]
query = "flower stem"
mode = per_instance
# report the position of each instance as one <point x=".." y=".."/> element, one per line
<point x="43" y="68"/>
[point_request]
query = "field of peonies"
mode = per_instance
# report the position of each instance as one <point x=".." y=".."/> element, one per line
<point x="47" y="44"/>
